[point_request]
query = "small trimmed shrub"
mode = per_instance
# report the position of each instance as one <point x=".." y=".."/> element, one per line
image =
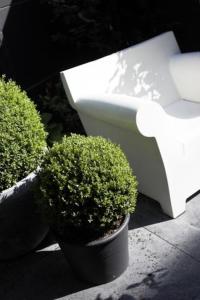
<point x="86" y="186"/>
<point x="22" y="135"/>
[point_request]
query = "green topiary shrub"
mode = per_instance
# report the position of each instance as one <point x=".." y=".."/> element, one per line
<point x="86" y="186"/>
<point x="22" y="135"/>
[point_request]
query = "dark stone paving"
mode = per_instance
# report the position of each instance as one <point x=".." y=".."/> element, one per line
<point x="164" y="263"/>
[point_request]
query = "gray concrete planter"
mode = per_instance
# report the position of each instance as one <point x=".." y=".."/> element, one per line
<point x="21" y="228"/>
<point x="102" y="260"/>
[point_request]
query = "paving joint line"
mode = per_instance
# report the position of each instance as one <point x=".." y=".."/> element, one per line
<point x="175" y="246"/>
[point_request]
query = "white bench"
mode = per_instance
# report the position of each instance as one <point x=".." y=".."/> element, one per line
<point x="145" y="98"/>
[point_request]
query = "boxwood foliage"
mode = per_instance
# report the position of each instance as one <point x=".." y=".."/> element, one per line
<point x="86" y="186"/>
<point x="22" y="135"/>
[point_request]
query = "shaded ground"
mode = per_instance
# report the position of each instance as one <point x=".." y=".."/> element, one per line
<point x="164" y="263"/>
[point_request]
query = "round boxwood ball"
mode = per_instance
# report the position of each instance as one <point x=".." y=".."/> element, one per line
<point x="86" y="186"/>
<point x="22" y="135"/>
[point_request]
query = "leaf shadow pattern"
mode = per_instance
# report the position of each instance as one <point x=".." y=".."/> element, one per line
<point x="122" y="297"/>
<point x="151" y="280"/>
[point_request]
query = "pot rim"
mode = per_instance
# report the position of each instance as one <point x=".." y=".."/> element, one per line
<point x="112" y="235"/>
<point x="18" y="186"/>
<point x="99" y="241"/>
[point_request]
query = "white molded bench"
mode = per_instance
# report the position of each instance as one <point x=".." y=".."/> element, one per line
<point x="145" y="98"/>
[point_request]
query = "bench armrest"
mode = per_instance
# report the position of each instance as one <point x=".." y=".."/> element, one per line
<point x="120" y="110"/>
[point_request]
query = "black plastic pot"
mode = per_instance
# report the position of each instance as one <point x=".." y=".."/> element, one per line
<point x="102" y="260"/>
<point x="21" y="227"/>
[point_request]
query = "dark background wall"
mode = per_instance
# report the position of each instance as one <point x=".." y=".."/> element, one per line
<point x="25" y="51"/>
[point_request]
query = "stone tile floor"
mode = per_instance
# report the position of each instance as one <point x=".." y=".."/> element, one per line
<point x="164" y="263"/>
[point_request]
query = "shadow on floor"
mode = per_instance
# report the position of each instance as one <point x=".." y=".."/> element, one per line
<point x="148" y="212"/>
<point x="166" y="266"/>
<point x="43" y="275"/>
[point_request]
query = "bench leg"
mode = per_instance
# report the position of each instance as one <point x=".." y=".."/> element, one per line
<point x="174" y="207"/>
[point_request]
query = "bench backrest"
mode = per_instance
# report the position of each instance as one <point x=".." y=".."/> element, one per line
<point x="141" y="70"/>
